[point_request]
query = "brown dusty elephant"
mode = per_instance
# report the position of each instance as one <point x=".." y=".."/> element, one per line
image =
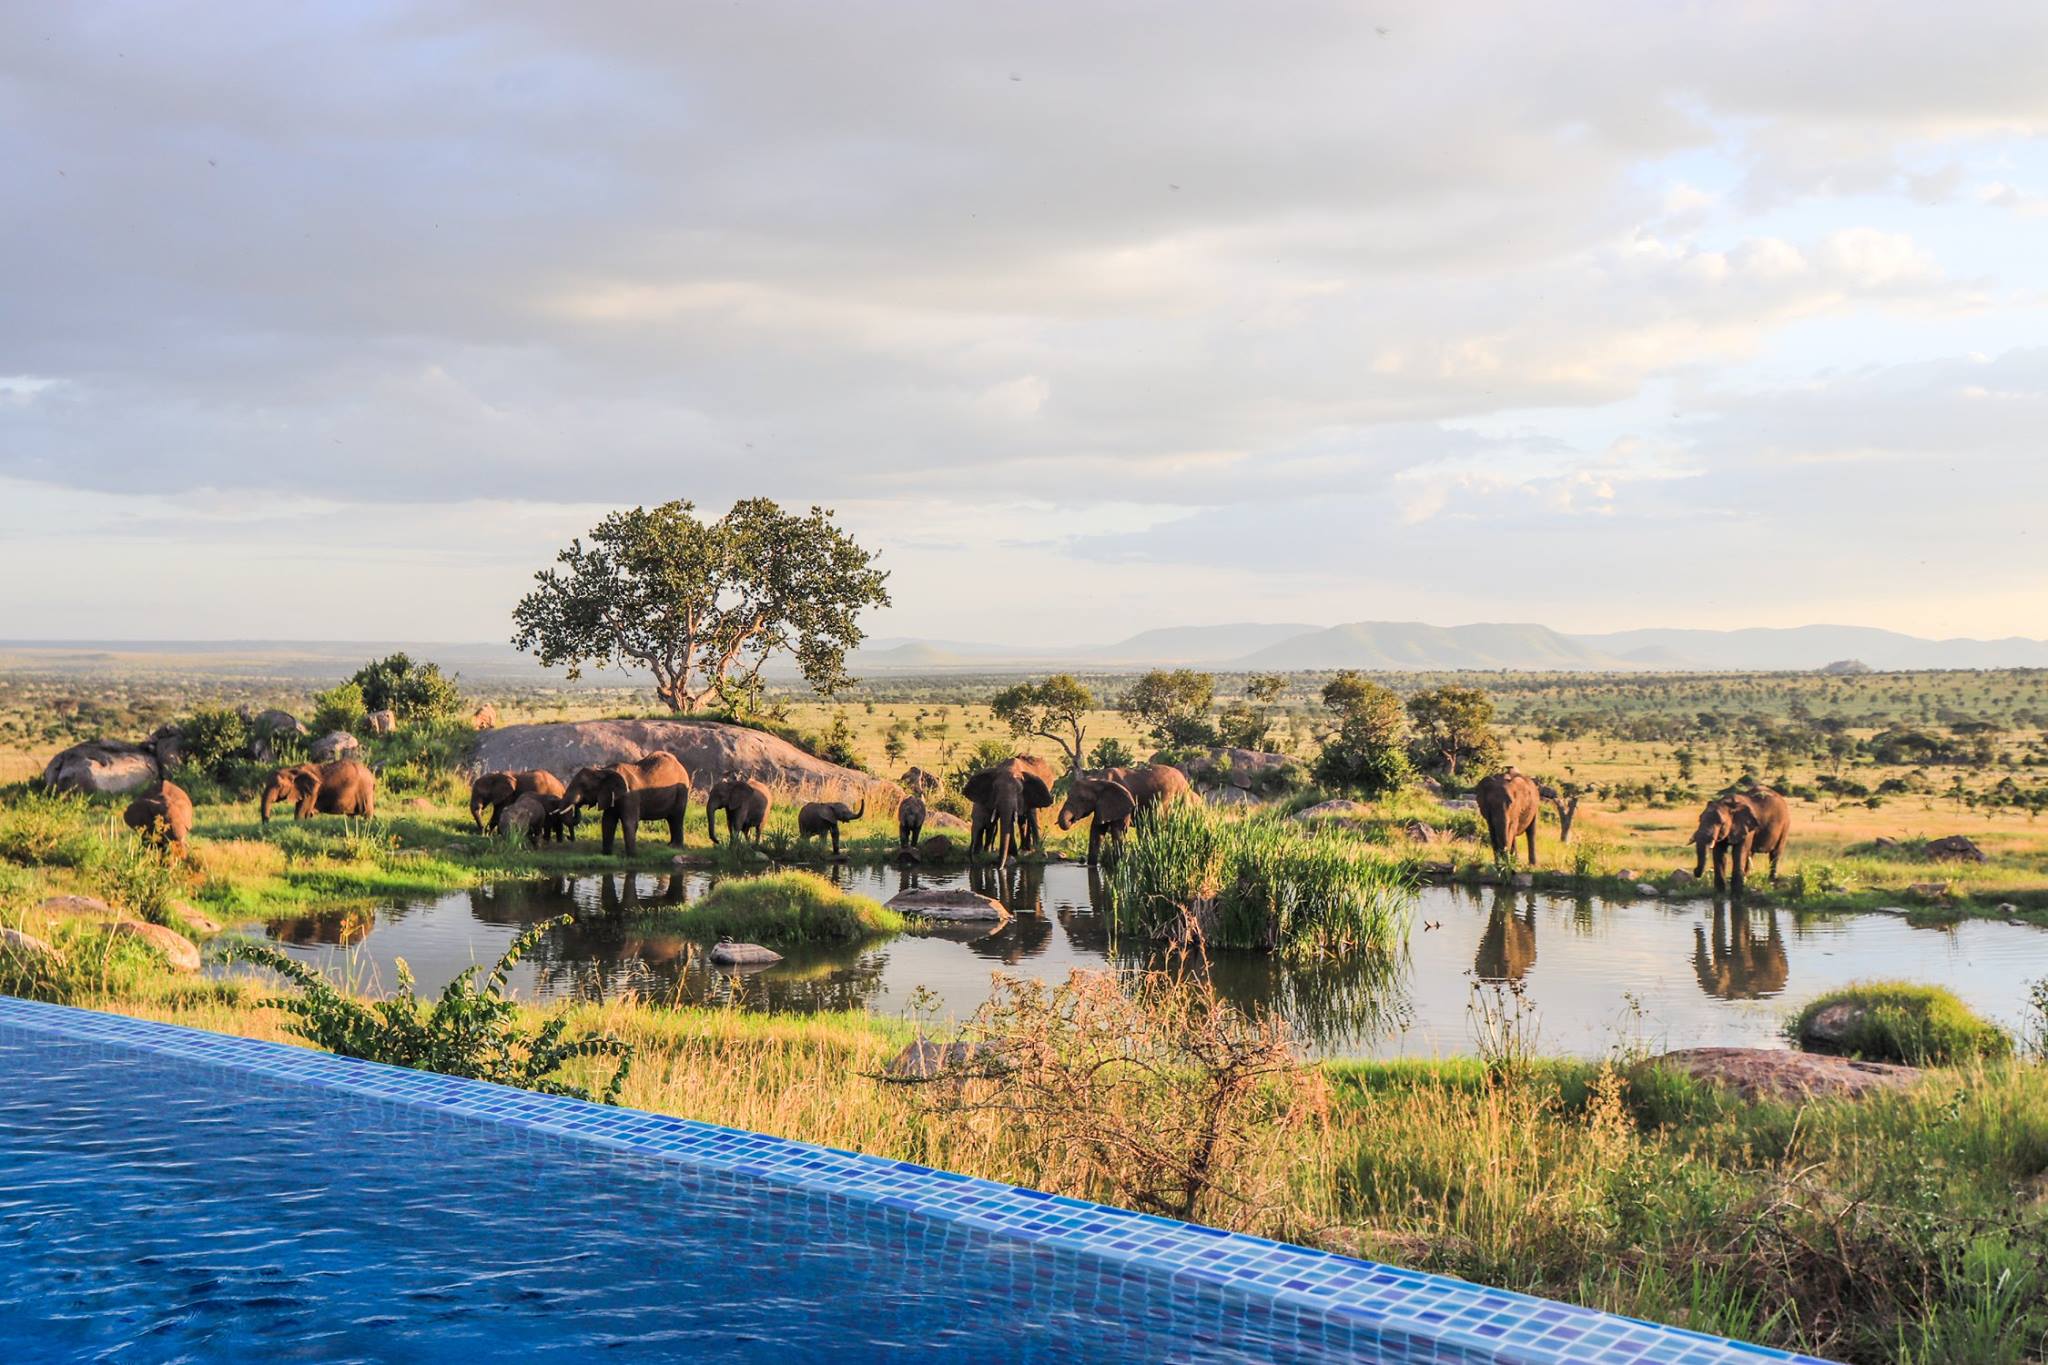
<point x="816" y="819"/>
<point x="656" y="787"/>
<point x="1007" y="799"/>
<point x="1509" y="803"/>
<point x="163" y="815"/>
<point x="500" y="789"/>
<point x="345" y="787"/>
<point x="531" y="817"/>
<point x="909" y="823"/>
<point x="1743" y="824"/>
<point x="745" y="803"/>
<point x="1104" y="796"/>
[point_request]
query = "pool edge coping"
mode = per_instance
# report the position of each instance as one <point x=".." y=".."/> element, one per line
<point x="1401" y="1308"/>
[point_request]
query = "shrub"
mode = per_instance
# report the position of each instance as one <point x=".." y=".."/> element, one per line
<point x="1895" y="1021"/>
<point x="215" y="740"/>
<point x="1111" y="753"/>
<point x="1255" y="882"/>
<point x="468" y="1032"/>
<point x="415" y="692"/>
<point x="338" y="708"/>
<point x="43" y="829"/>
<point x="780" y="907"/>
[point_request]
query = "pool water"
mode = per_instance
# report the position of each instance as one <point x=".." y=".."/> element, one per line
<point x="1594" y="973"/>
<point x="168" y="1194"/>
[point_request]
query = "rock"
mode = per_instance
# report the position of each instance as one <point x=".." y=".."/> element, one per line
<point x="16" y="944"/>
<point x="176" y="948"/>
<point x="265" y="727"/>
<point x="1216" y="771"/>
<point x="945" y="819"/>
<point x="708" y="748"/>
<point x="1830" y="1029"/>
<point x="1629" y="874"/>
<point x="1459" y="804"/>
<point x="1230" y="796"/>
<point x="1424" y="834"/>
<point x="1439" y="869"/>
<point x="1930" y="890"/>
<point x="1645" y="889"/>
<point x="1955" y="848"/>
<point x="923" y="1061"/>
<point x="1524" y="880"/>
<point x="1348" y="811"/>
<point x="687" y="861"/>
<point x="949" y="903"/>
<point x="418" y="803"/>
<point x="1768" y="1073"/>
<point x="485" y="717"/>
<point x="1432" y="787"/>
<point x="1882" y="842"/>
<point x="197" y="919"/>
<point x="1682" y="876"/>
<point x="102" y="766"/>
<point x="726" y="953"/>
<point x="74" y="905"/>
<point x="935" y="848"/>
<point x="333" y="745"/>
<point x="381" y="722"/>
<point x="919" y="782"/>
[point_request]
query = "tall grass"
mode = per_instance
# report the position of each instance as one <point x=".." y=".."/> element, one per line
<point x="777" y="907"/>
<point x="1256" y="882"/>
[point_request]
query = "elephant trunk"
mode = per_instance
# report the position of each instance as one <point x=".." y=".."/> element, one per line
<point x="1699" y="866"/>
<point x="476" y="812"/>
<point x="264" y="807"/>
<point x="711" y="820"/>
<point x="863" y="807"/>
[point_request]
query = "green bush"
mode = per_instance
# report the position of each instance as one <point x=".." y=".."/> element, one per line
<point x="1896" y="1021"/>
<point x="42" y="829"/>
<point x="416" y="692"/>
<point x="338" y="708"/>
<point x="1111" y="753"/>
<point x="780" y="907"/>
<point x="468" y="1032"/>
<point x="215" y="740"/>
<point x="423" y="760"/>
<point x="1256" y="882"/>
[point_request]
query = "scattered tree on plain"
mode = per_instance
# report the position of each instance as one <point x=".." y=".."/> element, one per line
<point x="1056" y="709"/>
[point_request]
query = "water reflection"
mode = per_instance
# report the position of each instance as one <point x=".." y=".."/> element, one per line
<point x="1704" y="973"/>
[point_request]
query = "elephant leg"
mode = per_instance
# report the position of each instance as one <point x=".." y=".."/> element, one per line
<point x="835" y="838"/>
<point x="1774" y="863"/>
<point x="610" y="827"/>
<point x="1094" y="843"/>
<point x="675" y="831"/>
<point x="631" y="827"/>
<point x="1720" y="867"/>
<point x="1532" y="843"/>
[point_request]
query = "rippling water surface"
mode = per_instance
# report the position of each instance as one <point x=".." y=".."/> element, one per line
<point x="1592" y="971"/>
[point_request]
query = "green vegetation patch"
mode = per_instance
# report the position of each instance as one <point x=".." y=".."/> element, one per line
<point x="780" y="907"/>
<point x="1895" y="1021"/>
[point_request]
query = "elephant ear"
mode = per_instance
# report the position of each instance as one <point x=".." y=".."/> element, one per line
<point x="305" y="781"/>
<point x="1036" y="794"/>
<point x="1114" y="803"/>
<point x="979" y="785"/>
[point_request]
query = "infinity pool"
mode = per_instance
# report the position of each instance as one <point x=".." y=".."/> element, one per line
<point x="167" y="1194"/>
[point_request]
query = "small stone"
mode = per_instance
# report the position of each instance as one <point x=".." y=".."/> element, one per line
<point x="14" y="943"/>
<point x="1931" y="890"/>
<point x="1768" y="1073"/>
<point x="1629" y="874"/>
<point x="1683" y="876"/>
<point x="690" y="860"/>
<point x="1645" y="889"/>
<point x="1525" y="880"/>
<point x="75" y="905"/>
<point x="176" y="948"/>
<point x="726" y="953"/>
<point x="922" y="1061"/>
<point x="949" y="903"/>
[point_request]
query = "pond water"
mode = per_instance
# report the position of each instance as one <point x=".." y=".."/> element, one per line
<point x="1593" y="972"/>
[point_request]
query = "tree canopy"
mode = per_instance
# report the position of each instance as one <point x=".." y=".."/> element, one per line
<point x="416" y="691"/>
<point x="1366" y="753"/>
<point x="1175" y="705"/>
<point x="1453" y="728"/>
<point x="702" y="605"/>
<point x="1056" y="709"/>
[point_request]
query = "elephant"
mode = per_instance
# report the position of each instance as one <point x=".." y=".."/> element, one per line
<point x="1107" y="804"/>
<point x="1509" y="802"/>
<point x="531" y="817"/>
<point x="656" y="787"/>
<point x="1005" y="797"/>
<point x="745" y="803"/>
<point x="909" y="823"/>
<point x="819" y="818"/>
<point x="164" y="817"/>
<point x="345" y="787"/>
<point x="1744" y="824"/>
<point x="500" y="789"/>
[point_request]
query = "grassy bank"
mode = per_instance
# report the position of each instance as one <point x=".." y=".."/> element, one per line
<point x="777" y="908"/>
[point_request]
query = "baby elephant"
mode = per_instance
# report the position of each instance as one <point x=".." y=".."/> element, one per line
<point x="533" y="817"/>
<point x="164" y="817"/>
<point x="818" y="818"/>
<point x="909" y="823"/>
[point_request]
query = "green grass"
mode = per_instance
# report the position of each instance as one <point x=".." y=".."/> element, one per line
<point x="1264" y="883"/>
<point x="1916" y="1025"/>
<point x="778" y="908"/>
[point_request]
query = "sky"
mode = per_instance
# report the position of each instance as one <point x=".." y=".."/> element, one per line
<point x="338" y="320"/>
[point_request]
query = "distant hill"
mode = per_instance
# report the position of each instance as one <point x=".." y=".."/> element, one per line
<point x="1196" y="644"/>
<point x="1807" y="647"/>
<point x="1381" y="645"/>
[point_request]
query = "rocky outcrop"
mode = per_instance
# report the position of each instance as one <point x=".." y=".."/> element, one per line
<point x="485" y="717"/>
<point x="175" y="947"/>
<point x="1767" y="1073"/>
<point x="1349" y="812"/>
<point x="954" y="904"/>
<point x="1955" y="848"/>
<point x="921" y="782"/>
<point x="17" y="945"/>
<point x="709" y="749"/>
<point x="74" y="905"/>
<point x="946" y="820"/>
<point x="1216" y="772"/>
<point x="101" y="766"/>
<point x="266" y="727"/>
<point x="928" y="1061"/>
<point x="334" y="745"/>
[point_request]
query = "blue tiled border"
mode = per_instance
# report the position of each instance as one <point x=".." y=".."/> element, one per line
<point x="1399" y="1314"/>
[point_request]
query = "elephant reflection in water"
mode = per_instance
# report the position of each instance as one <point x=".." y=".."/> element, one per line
<point x="1019" y="886"/>
<point x="522" y="903"/>
<point x="1736" y="964"/>
<point x="340" y="928"/>
<point x="1507" y="948"/>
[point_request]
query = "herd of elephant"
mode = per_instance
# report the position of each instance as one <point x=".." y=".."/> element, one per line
<point x="1733" y="829"/>
<point x="1007" y="797"/>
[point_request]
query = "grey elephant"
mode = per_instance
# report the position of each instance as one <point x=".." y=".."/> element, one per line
<point x="745" y="803"/>
<point x="816" y="819"/>
<point x="909" y="823"/>
<point x="1743" y="824"/>
<point x="1007" y="799"/>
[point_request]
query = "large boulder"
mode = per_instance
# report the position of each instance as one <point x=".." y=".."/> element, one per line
<point x="1955" y="848"/>
<point x="943" y="820"/>
<point x="921" y="782"/>
<point x="1348" y="812"/>
<point x="334" y="745"/>
<point x="175" y="947"/>
<point x="951" y="903"/>
<point x="1246" y="770"/>
<point x="709" y="749"/>
<point x="1769" y="1073"/>
<point x="266" y="727"/>
<point x="18" y="946"/>
<point x="102" y="766"/>
<point x="485" y="717"/>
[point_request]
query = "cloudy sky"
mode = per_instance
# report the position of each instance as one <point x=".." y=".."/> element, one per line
<point x="336" y="320"/>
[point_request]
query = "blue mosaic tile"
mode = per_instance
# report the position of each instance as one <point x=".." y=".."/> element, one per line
<point x="1333" y="1304"/>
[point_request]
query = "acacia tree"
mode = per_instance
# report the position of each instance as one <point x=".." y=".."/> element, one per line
<point x="702" y="605"/>
<point x="1453" y="728"/>
<point x="1056" y="709"/>
<point x="1365" y="753"/>
<point x="1175" y="705"/>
